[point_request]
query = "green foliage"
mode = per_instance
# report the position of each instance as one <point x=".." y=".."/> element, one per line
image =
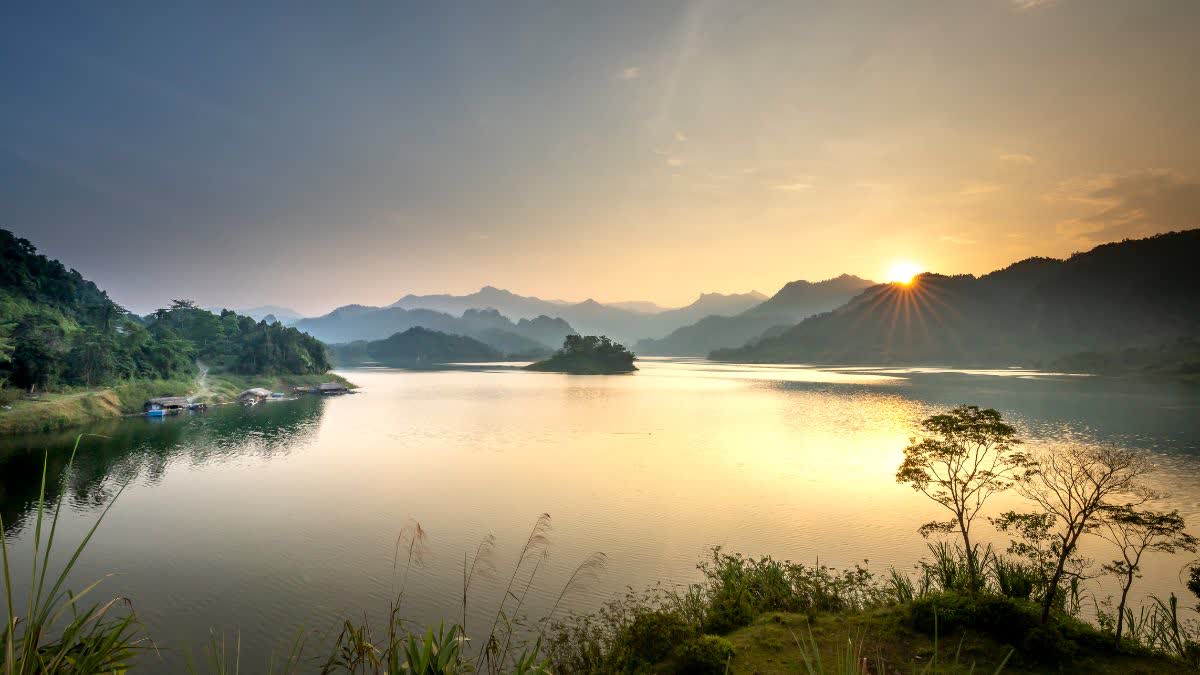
<point x="59" y="330"/>
<point x="967" y="455"/>
<point x="651" y="637"/>
<point x="590" y="355"/>
<point x="58" y="632"/>
<point x="1015" y="579"/>
<point x="705" y="655"/>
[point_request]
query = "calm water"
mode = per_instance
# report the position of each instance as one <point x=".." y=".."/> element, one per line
<point x="258" y="522"/>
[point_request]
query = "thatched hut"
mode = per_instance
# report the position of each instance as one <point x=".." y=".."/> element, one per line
<point x="254" y="395"/>
<point x="167" y="404"/>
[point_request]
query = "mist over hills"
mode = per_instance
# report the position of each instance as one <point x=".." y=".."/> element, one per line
<point x="1132" y="295"/>
<point x="624" y="323"/>
<point x="358" y="322"/>
<point x="795" y="301"/>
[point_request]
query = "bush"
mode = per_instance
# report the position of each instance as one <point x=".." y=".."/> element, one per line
<point x="705" y="655"/>
<point x="1047" y="644"/>
<point x="651" y="637"/>
<point x="730" y="609"/>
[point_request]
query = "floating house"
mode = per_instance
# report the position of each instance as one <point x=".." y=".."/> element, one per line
<point x="252" y="396"/>
<point x="166" y="405"/>
<point x="332" y="388"/>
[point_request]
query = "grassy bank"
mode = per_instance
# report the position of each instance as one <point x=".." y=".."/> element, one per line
<point x="782" y="642"/>
<point x="54" y="411"/>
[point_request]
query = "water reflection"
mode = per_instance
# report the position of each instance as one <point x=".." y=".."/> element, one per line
<point x="120" y="451"/>
<point x="285" y="515"/>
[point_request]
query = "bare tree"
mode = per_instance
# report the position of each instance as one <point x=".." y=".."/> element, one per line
<point x="967" y="455"/>
<point x="1136" y="532"/>
<point x="1075" y="486"/>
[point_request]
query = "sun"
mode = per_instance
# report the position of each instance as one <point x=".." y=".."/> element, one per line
<point x="903" y="272"/>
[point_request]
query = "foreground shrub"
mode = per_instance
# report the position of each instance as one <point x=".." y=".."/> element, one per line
<point x="652" y="637"/>
<point x="62" y="632"/>
<point x="705" y="655"/>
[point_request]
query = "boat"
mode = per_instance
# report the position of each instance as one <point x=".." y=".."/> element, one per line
<point x="159" y="412"/>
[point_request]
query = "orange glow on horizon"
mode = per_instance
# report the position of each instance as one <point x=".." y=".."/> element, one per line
<point x="903" y="272"/>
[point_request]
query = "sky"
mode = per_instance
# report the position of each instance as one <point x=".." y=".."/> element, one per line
<point x="355" y="152"/>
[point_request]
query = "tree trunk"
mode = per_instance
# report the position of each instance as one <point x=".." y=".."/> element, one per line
<point x="1121" y="607"/>
<point x="1048" y="601"/>
<point x="971" y="563"/>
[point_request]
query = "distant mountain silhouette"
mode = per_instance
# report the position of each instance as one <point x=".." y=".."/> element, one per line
<point x="626" y="321"/>
<point x="489" y="297"/>
<point x="794" y="302"/>
<point x="415" y="348"/>
<point x="1134" y="294"/>
<point x="284" y="315"/>
<point x="639" y="306"/>
<point x="357" y="322"/>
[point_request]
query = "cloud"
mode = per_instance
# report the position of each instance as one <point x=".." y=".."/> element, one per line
<point x="680" y="136"/>
<point x="1024" y="5"/>
<point x="674" y="161"/>
<point x="630" y="73"/>
<point x="794" y="187"/>
<point x="1017" y="158"/>
<point x="1148" y="200"/>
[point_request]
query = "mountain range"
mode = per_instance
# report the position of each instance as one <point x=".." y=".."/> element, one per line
<point x="795" y="301"/>
<point x="485" y="316"/>
<point x="1132" y="295"/>
<point x="625" y="322"/>
<point x="352" y="323"/>
<point x="415" y="348"/>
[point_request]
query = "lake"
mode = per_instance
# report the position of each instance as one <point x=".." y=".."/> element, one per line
<point x="260" y="522"/>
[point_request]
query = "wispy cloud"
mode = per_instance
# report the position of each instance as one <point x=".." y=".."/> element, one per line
<point x="1025" y="5"/>
<point x="794" y="187"/>
<point x="1135" y="204"/>
<point x="630" y="73"/>
<point x="674" y="161"/>
<point x="1017" y="158"/>
<point x="680" y="136"/>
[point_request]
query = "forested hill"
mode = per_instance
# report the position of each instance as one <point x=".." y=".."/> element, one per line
<point x="416" y="347"/>
<point x="1137" y="296"/>
<point x="59" y="329"/>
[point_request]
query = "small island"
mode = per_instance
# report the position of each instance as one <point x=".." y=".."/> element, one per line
<point x="588" y="355"/>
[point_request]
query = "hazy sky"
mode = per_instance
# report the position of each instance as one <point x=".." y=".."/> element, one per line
<point x="643" y="150"/>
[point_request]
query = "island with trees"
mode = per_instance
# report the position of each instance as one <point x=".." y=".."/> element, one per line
<point x="588" y="355"/>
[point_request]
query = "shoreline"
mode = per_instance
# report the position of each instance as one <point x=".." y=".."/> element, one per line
<point x="56" y="411"/>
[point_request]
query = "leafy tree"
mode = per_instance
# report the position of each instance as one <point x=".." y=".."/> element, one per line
<point x="39" y="344"/>
<point x="1075" y="486"/>
<point x="1136" y="532"/>
<point x="967" y="455"/>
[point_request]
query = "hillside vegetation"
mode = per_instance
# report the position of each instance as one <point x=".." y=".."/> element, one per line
<point x="416" y="348"/>
<point x="84" y="356"/>
<point x="590" y="355"/>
